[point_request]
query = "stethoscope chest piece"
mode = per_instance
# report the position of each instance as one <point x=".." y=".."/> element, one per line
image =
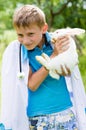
<point x="20" y="75"/>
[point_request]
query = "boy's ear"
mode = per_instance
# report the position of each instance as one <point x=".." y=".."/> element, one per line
<point x="45" y="28"/>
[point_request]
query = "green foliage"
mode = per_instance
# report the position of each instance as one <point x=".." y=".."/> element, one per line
<point x="59" y="13"/>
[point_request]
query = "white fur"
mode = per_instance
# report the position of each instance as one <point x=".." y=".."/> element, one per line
<point x="68" y="58"/>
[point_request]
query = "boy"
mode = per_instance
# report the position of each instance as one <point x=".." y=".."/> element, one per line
<point x="49" y="103"/>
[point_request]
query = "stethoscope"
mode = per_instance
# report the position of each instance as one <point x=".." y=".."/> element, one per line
<point x="20" y="74"/>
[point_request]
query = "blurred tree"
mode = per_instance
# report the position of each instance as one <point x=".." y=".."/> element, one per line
<point x="59" y="13"/>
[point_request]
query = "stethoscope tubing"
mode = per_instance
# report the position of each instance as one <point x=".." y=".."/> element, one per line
<point x="20" y="66"/>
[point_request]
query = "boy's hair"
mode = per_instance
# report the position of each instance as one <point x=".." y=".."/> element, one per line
<point x="27" y="15"/>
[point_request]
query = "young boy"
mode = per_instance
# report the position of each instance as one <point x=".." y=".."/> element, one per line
<point x="49" y="104"/>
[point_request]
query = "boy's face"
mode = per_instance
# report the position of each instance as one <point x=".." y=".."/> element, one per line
<point x="31" y="36"/>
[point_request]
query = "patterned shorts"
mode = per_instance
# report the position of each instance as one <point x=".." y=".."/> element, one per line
<point x="64" y="120"/>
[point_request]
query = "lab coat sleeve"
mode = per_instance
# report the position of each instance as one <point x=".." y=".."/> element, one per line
<point x="75" y="85"/>
<point x="7" y="89"/>
<point x="14" y="91"/>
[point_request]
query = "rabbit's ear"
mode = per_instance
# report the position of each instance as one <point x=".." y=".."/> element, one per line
<point x="74" y="31"/>
<point x="67" y="31"/>
<point x="77" y="31"/>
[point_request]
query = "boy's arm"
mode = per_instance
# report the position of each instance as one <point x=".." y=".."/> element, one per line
<point x="35" y="79"/>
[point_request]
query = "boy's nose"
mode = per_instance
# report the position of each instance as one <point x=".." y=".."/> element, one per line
<point x="26" y="41"/>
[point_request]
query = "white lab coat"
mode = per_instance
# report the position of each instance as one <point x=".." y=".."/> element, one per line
<point x="14" y="92"/>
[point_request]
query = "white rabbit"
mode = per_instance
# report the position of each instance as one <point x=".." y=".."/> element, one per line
<point x="68" y="58"/>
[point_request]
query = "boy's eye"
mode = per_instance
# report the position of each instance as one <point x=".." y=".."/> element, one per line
<point x="20" y="35"/>
<point x="30" y="34"/>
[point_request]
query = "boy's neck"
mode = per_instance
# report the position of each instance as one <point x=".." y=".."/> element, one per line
<point x="42" y="42"/>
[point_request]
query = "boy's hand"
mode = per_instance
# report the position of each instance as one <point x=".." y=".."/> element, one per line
<point x="65" y="71"/>
<point x="61" y="45"/>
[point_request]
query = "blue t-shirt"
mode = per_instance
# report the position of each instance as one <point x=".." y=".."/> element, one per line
<point x="52" y="95"/>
